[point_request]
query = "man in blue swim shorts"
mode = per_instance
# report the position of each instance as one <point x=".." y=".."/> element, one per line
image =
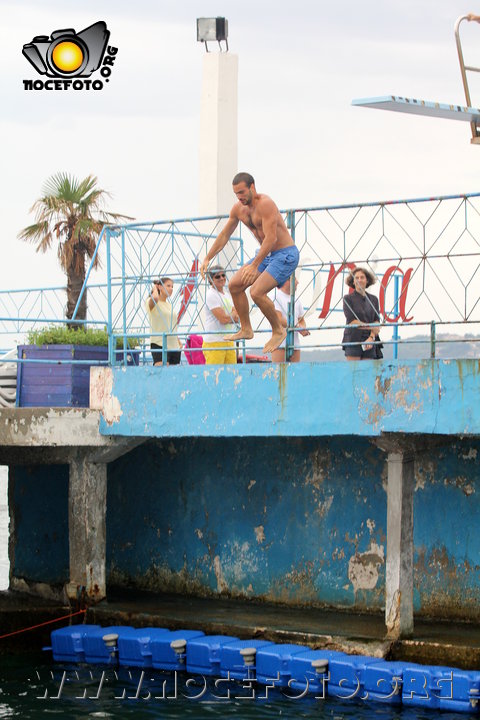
<point x="274" y="262"/>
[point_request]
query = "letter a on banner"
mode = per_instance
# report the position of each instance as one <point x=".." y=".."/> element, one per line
<point x="403" y="294"/>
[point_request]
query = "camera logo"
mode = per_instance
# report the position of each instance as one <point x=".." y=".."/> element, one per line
<point x="66" y="55"/>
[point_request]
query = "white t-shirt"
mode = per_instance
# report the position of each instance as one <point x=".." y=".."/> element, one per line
<point x="215" y="299"/>
<point x="281" y="301"/>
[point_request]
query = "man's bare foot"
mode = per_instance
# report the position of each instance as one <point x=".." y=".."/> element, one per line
<point x="240" y="335"/>
<point x="275" y="341"/>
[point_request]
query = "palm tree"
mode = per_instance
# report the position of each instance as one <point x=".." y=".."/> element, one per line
<point x="70" y="212"/>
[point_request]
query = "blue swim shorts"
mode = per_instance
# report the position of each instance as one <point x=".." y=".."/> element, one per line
<point x="280" y="264"/>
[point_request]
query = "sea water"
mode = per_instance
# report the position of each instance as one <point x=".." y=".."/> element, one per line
<point x="32" y="686"/>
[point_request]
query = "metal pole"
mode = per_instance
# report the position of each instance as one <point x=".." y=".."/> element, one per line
<point x="396" y="283"/>
<point x="85" y="282"/>
<point x="111" y="348"/>
<point x="290" y="339"/>
<point x="432" y="339"/>
<point x="164" y="349"/>
<point x="124" y="303"/>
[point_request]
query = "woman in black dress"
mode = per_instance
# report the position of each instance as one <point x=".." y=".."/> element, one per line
<point x="361" y="309"/>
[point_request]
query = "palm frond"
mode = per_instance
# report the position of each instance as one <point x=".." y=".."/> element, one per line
<point x="39" y="233"/>
<point x="61" y="186"/>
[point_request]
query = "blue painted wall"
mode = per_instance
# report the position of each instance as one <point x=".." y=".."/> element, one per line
<point x="297" y="520"/>
<point x="447" y="530"/>
<point x="39" y="510"/>
<point x="293" y="520"/>
<point x="277" y="519"/>
<point x="297" y="400"/>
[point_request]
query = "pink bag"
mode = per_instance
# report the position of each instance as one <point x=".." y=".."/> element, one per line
<point x="192" y="343"/>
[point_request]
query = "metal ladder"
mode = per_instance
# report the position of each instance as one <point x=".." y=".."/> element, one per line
<point x="475" y="126"/>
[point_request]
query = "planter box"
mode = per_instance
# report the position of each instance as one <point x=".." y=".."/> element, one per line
<point x="61" y="384"/>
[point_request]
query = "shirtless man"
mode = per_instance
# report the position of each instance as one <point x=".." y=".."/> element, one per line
<point x="274" y="262"/>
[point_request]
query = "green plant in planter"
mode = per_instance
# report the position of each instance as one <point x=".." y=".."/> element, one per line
<point x="63" y="335"/>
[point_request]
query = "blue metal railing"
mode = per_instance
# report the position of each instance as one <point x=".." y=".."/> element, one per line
<point x="424" y="251"/>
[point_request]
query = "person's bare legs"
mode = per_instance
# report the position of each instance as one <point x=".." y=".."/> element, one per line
<point x="279" y="356"/>
<point x="240" y="301"/>
<point x="258" y="292"/>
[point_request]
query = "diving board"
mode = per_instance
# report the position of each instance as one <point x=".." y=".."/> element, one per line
<point x="434" y="109"/>
<point x="421" y="107"/>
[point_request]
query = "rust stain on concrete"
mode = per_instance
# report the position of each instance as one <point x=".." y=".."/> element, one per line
<point x="320" y="463"/>
<point x="302" y="577"/>
<point x="393" y="392"/>
<point x="392" y="619"/>
<point x="221" y="584"/>
<point x="282" y="385"/>
<point x="382" y="387"/>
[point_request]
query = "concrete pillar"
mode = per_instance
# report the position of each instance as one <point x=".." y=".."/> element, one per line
<point x="218" y="133"/>
<point x="399" y="566"/>
<point x="218" y="143"/>
<point x="87" y="505"/>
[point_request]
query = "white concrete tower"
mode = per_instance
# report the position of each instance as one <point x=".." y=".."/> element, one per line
<point x="218" y="160"/>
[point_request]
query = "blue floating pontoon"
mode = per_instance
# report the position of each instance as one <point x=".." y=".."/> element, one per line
<point x="164" y="656"/>
<point x="308" y="671"/>
<point x="134" y="647"/>
<point x="347" y="676"/>
<point x="441" y="688"/>
<point x="203" y="656"/>
<point x="384" y="681"/>
<point x="274" y="664"/>
<point x="68" y="642"/>
<point x="232" y="663"/>
<point x="317" y="672"/>
<point x="96" y="650"/>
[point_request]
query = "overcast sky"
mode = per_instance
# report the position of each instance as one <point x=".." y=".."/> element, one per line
<point x="300" y="66"/>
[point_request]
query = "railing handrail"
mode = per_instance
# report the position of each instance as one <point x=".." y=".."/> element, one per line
<point x="437" y="244"/>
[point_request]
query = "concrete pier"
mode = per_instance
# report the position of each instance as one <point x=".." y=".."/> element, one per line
<point x="69" y="436"/>
<point x="320" y="468"/>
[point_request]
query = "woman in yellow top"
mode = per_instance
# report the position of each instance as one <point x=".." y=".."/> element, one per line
<point x="162" y="321"/>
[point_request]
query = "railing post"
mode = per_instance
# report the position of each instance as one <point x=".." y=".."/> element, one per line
<point x="396" y="282"/>
<point x="111" y="348"/>
<point x="87" y="275"/>
<point x="432" y="339"/>
<point x="164" y="349"/>
<point x="290" y="339"/>
<point x="124" y="303"/>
